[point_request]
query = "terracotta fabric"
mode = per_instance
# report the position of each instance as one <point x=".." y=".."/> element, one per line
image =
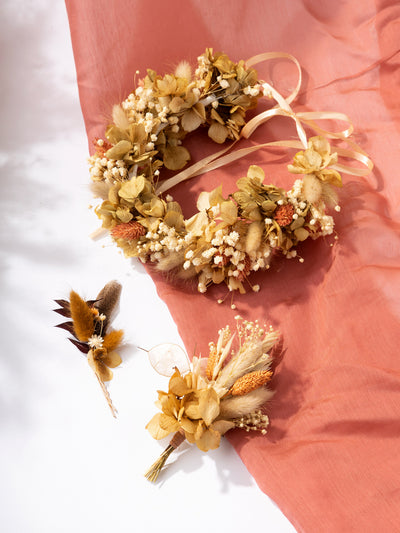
<point x="331" y="457"/>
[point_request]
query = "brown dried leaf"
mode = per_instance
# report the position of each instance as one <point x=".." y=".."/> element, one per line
<point x="82" y="346"/>
<point x="191" y="120"/>
<point x="108" y="298"/>
<point x="301" y="234"/>
<point x="218" y="132"/>
<point x="175" y="157"/>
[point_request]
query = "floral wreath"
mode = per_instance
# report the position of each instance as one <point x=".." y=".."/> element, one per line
<point x="228" y="238"/>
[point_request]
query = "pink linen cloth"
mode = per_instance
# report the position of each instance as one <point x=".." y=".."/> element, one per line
<point x="331" y="457"/>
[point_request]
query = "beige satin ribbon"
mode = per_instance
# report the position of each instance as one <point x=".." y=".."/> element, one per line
<point x="282" y="108"/>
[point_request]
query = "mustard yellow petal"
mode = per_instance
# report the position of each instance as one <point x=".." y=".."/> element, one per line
<point x="208" y="405"/>
<point x="222" y="426"/>
<point x="177" y="384"/>
<point x="188" y="425"/>
<point x="209" y="440"/>
<point x="111" y="359"/>
<point x="155" y="429"/>
<point x="168" y="423"/>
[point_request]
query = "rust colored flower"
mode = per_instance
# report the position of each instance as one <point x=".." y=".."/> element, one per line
<point x="284" y="214"/>
<point x="101" y="149"/>
<point x="128" y="231"/>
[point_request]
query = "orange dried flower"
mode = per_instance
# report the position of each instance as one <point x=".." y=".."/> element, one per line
<point x="101" y="149"/>
<point x="128" y="231"/>
<point x="284" y="214"/>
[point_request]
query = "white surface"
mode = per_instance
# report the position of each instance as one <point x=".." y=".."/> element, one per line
<point x="66" y="464"/>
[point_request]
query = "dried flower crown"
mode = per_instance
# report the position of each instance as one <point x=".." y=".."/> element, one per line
<point x="229" y="237"/>
<point x="222" y="392"/>
<point x="89" y="326"/>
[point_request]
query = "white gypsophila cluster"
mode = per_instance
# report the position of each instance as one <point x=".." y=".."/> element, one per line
<point x="101" y="168"/>
<point x="159" y="243"/>
<point x="204" y="65"/>
<point x="252" y="90"/>
<point x="325" y="221"/>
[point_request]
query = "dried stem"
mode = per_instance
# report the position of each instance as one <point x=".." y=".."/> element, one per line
<point x="155" y="469"/>
<point x="107" y="396"/>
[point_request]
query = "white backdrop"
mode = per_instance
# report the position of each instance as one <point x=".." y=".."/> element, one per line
<point x="66" y="464"/>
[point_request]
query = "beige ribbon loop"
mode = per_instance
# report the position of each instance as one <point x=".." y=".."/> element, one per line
<point x="267" y="56"/>
<point x="282" y="108"/>
<point x="193" y="170"/>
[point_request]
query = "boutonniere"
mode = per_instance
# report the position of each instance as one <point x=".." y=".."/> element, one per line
<point x="89" y="326"/>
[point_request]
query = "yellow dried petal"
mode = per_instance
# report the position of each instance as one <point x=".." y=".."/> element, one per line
<point x="222" y="426"/>
<point x="119" y="150"/>
<point x="112" y="359"/>
<point x="208" y="405"/>
<point x="209" y="440"/>
<point x="155" y="429"/>
<point x="229" y="212"/>
<point x="188" y="425"/>
<point x="256" y="173"/>
<point x="132" y="188"/>
<point x="168" y="423"/>
<point x="177" y="384"/>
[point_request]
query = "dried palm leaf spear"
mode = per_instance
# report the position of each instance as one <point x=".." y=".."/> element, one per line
<point x="222" y="392"/>
<point x="89" y="327"/>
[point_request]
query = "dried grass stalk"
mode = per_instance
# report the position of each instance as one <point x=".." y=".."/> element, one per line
<point x="154" y="471"/>
<point x="107" y="396"/>
<point x="250" y="382"/>
<point x="238" y="406"/>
